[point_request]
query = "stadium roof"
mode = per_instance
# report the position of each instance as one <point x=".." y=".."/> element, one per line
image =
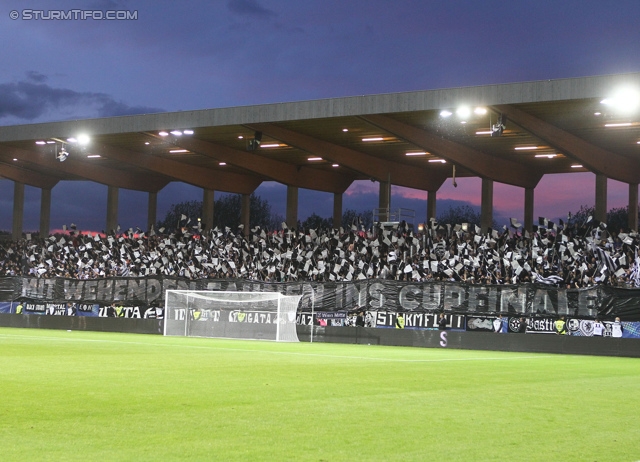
<point x="551" y="126"/>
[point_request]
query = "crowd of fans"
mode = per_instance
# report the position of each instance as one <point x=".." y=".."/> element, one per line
<point x="566" y="256"/>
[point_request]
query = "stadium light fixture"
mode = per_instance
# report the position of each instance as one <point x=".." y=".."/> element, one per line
<point x="163" y="133"/>
<point x="83" y="139"/>
<point x="480" y="111"/>
<point x="499" y="127"/>
<point x="445" y="113"/>
<point x="463" y="112"/>
<point x="41" y="142"/>
<point x="188" y="132"/>
<point x="623" y="124"/>
<point x="176" y="132"/>
<point x="62" y="154"/>
<point x="623" y="100"/>
<point x="255" y="142"/>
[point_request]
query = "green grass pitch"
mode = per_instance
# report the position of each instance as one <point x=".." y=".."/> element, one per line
<point x="99" y="396"/>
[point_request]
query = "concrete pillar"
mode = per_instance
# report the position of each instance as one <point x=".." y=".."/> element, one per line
<point x="112" y="208"/>
<point x="152" y="210"/>
<point x="45" y="212"/>
<point x="384" y="200"/>
<point x="337" y="210"/>
<point x="633" y="207"/>
<point x="486" y="208"/>
<point x="245" y="213"/>
<point x="18" y="210"/>
<point x="601" y="198"/>
<point x="528" y="209"/>
<point x="292" y="207"/>
<point x="431" y="205"/>
<point x="207" y="209"/>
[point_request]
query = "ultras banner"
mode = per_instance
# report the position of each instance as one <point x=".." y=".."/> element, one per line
<point x="373" y="295"/>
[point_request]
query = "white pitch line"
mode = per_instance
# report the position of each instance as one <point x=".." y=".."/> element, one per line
<point x="370" y="358"/>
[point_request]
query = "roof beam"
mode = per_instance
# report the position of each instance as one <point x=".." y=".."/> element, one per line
<point x="373" y="167"/>
<point x="595" y="158"/>
<point x="195" y="175"/>
<point x="96" y="173"/>
<point x="283" y="172"/>
<point x="481" y="163"/>
<point x="28" y="177"/>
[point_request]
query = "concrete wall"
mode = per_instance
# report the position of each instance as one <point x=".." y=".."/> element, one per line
<point x="526" y="343"/>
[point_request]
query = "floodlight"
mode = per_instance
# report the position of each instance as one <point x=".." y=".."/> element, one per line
<point x="62" y="155"/>
<point x="463" y="112"/>
<point x="498" y="128"/>
<point x="254" y="143"/>
<point x="624" y="100"/>
<point x="83" y="139"/>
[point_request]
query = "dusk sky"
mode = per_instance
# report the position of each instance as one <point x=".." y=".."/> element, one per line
<point x="202" y="54"/>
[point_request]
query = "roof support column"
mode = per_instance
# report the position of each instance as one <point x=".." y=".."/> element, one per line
<point x="152" y="210"/>
<point x="18" y="210"/>
<point x="292" y="207"/>
<point x="633" y="207"/>
<point x="528" y="209"/>
<point x="245" y="213"/>
<point x="384" y="200"/>
<point x="45" y="212"/>
<point x="486" y="207"/>
<point x="431" y="205"/>
<point x="601" y="198"/>
<point x="337" y="210"/>
<point x="112" y="208"/>
<point x="207" y="209"/>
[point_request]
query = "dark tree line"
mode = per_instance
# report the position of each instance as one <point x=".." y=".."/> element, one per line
<point x="226" y="213"/>
<point x="617" y="218"/>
